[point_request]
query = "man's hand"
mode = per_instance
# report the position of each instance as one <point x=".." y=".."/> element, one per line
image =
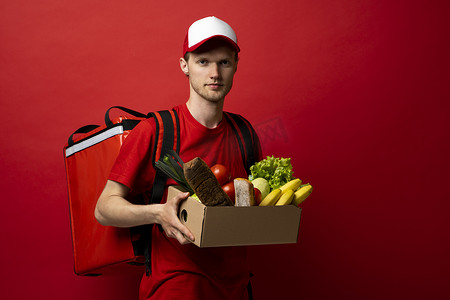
<point x="170" y="222"/>
<point x="114" y="210"/>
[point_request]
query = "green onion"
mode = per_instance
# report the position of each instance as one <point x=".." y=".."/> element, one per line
<point x="172" y="166"/>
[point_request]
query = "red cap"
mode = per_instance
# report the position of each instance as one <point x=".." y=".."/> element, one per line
<point x="205" y="29"/>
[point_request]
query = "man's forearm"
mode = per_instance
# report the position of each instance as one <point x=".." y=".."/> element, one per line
<point x="114" y="210"/>
<point x="117" y="211"/>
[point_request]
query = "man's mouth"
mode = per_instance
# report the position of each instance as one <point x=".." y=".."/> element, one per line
<point x="214" y="85"/>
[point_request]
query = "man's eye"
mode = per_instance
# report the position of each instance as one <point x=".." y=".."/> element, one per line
<point x="225" y="62"/>
<point x="202" y="61"/>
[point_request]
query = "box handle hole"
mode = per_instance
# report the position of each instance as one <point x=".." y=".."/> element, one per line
<point x="184" y="215"/>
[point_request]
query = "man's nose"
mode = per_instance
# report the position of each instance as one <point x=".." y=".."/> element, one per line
<point x="214" y="71"/>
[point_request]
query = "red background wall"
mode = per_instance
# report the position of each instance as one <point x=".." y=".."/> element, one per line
<point x="355" y="92"/>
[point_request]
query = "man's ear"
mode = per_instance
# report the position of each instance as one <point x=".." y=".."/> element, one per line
<point x="184" y="66"/>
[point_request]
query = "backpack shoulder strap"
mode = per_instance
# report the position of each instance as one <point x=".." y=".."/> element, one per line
<point x="246" y="136"/>
<point x="167" y="133"/>
<point x="166" y="138"/>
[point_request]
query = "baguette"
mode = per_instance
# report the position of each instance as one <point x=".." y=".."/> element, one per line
<point x="204" y="183"/>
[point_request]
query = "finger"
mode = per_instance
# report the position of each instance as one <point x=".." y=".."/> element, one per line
<point x="186" y="232"/>
<point x="176" y="234"/>
<point x="182" y="239"/>
<point x="177" y="227"/>
<point x="180" y="197"/>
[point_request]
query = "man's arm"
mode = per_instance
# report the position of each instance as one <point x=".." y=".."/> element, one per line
<point x="114" y="210"/>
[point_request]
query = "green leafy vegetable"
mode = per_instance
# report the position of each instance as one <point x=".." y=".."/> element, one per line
<point x="172" y="166"/>
<point x="277" y="171"/>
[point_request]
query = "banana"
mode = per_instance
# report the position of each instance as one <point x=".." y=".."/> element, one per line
<point x="272" y="198"/>
<point x="294" y="184"/>
<point x="301" y="194"/>
<point x="286" y="198"/>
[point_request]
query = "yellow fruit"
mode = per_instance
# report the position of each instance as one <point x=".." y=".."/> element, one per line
<point x="302" y="194"/>
<point x="272" y="198"/>
<point x="286" y="198"/>
<point x="291" y="185"/>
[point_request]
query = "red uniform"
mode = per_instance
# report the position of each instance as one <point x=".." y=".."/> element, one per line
<point x="186" y="271"/>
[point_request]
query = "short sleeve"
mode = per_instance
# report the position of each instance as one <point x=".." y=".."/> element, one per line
<point x="133" y="166"/>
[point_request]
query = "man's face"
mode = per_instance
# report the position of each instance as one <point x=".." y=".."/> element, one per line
<point x="210" y="72"/>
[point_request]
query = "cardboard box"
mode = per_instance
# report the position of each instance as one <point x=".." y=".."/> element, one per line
<point x="215" y="226"/>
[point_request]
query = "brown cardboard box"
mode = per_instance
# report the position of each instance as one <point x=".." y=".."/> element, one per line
<point x="215" y="226"/>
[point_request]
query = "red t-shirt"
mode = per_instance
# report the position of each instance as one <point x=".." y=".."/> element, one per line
<point x="186" y="271"/>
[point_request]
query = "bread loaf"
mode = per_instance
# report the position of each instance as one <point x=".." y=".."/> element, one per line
<point x="204" y="183"/>
<point x="245" y="194"/>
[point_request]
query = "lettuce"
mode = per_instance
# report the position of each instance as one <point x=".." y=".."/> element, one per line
<point x="277" y="171"/>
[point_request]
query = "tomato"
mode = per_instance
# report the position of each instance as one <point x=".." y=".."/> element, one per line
<point x="257" y="196"/>
<point x="229" y="190"/>
<point x="221" y="173"/>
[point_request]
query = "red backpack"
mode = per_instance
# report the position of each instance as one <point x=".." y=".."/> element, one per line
<point x="89" y="156"/>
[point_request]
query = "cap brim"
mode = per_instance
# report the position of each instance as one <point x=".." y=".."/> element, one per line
<point x="199" y="44"/>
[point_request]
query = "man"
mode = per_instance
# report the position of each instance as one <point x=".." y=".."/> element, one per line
<point x="181" y="270"/>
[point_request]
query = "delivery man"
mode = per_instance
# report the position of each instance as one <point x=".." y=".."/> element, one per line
<point x="181" y="270"/>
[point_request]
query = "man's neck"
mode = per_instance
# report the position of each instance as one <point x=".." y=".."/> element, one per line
<point x="207" y="113"/>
